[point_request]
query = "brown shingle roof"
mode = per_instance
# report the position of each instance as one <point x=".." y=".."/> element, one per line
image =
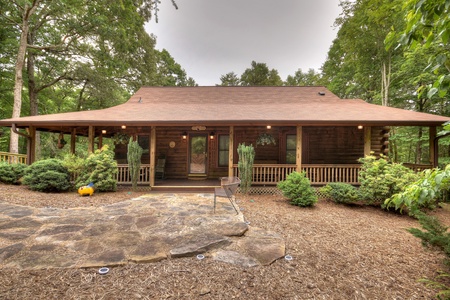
<point x="236" y="106"/>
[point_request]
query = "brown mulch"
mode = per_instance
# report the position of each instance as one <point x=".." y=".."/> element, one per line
<point x="339" y="252"/>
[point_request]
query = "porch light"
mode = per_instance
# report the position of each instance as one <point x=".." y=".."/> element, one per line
<point x="184" y="135"/>
<point x="268" y="127"/>
<point x="211" y="135"/>
<point x="360" y="127"/>
<point x="103" y="131"/>
<point x="124" y="126"/>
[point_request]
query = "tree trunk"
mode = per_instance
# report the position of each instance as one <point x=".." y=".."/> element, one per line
<point x="20" y="62"/>
<point x="385" y="82"/>
<point x="18" y="84"/>
<point x="33" y="95"/>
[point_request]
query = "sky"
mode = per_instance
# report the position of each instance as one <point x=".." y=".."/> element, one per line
<point x="210" y="38"/>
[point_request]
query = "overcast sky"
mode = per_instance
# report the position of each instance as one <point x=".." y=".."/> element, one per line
<point x="210" y="38"/>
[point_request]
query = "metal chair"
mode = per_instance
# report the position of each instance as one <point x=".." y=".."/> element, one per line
<point x="227" y="189"/>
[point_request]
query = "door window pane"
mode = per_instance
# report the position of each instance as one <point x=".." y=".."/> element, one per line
<point x="198" y="154"/>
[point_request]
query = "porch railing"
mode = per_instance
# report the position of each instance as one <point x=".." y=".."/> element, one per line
<point x="318" y="174"/>
<point x="13" y="157"/>
<point x="322" y="174"/>
<point x="268" y="174"/>
<point x="123" y="175"/>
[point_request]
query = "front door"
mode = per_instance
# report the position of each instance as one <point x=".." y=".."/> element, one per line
<point x="198" y="153"/>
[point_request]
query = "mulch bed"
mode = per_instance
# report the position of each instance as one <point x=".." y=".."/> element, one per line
<point x="339" y="252"/>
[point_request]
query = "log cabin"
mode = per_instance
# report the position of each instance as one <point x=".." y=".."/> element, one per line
<point x="195" y="131"/>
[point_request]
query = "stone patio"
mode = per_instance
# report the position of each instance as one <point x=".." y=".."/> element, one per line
<point x="141" y="230"/>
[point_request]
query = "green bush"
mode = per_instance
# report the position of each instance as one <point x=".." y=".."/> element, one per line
<point x="11" y="173"/>
<point x="381" y="179"/>
<point x="423" y="193"/>
<point x="297" y="188"/>
<point x="74" y="164"/>
<point x="99" y="168"/>
<point x="342" y="193"/>
<point x="47" y="175"/>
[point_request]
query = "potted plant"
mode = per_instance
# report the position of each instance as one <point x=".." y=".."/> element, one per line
<point x="265" y="139"/>
<point x="61" y="141"/>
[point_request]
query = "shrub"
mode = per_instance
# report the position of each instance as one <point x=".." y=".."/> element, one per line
<point x="342" y="193"/>
<point x="47" y="175"/>
<point x="297" y="188"/>
<point x="99" y="168"/>
<point x="381" y="179"/>
<point x="423" y="193"/>
<point x="74" y="165"/>
<point x="11" y="173"/>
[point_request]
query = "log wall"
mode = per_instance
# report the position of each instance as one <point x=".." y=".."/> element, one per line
<point x="321" y="145"/>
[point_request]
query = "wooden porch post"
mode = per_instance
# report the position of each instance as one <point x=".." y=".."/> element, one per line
<point x="231" y="152"/>
<point x="299" y="148"/>
<point x="433" y="156"/>
<point x="73" y="136"/>
<point x="100" y="141"/>
<point x="91" y="137"/>
<point x="31" y="145"/>
<point x="152" y="155"/>
<point x="367" y="140"/>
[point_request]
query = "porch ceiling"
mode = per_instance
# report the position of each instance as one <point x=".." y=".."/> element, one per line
<point x="238" y="106"/>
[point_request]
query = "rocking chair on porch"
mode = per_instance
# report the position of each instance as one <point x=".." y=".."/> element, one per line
<point x="160" y="167"/>
<point x="228" y="189"/>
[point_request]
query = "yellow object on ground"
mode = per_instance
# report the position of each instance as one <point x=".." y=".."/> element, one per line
<point x="86" y="190"/>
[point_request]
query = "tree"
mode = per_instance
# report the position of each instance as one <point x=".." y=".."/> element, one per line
<point x="169" y="72"/>
<point x="73" y="41"/>
<point x="229" y="79"/>
<point x="310" y="78"/>
<point x="358" y="64"/>
<point x="25" y="11"/>
<point x="428" y="23"/>
<point x="260" y="75"/>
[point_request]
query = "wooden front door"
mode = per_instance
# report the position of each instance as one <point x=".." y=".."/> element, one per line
<point x="198" y="144"/>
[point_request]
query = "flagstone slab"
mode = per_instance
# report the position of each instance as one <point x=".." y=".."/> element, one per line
<point x="142" y="230"/>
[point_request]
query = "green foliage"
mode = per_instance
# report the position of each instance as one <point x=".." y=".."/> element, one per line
<point x="229" y="79"/>
<point x="297" y="188"/>
<point x="74" y="164"/>
<point x="260" y="75"/>
<point x="310" y="78"/>
<point x="11" y="173"/>
<point x="48" y="175"/>
<point x="428" y="24"/>
<point x="342" y="193"/>
<point x="381" y="179"/>
<point x="422" y="193"/>
<point x="134" y="161"/>
<point x="434" y="234"/>
<point x="99" y="168"/>
<point x="245" y="166"/>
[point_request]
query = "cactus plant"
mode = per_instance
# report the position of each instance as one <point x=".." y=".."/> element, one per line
<point x="245" y="165"/>
<point x="134" y="161"/>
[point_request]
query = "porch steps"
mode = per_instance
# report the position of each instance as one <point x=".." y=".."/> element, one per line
<point x="197" y="177"/>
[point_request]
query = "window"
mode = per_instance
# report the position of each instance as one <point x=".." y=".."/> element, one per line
<point x="224" y="142"/>
<point x="291" y="148"/>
